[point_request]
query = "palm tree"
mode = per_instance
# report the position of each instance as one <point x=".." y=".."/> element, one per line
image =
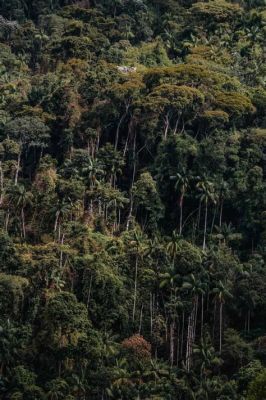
<point x="227" y="234"/>
<point x="121" y="379"/>
<point x="110" y="346"/>
<point x="21" y="198"/>
<point x="222" y="196"/>
<point x="197" y="288"/>
<point x="78" y="386"/>
<point x="57" y="389"/>
<point x="221" y="293"/>
<point x="173" y="245"/>
<point x="61" y="210"/>
<point x="206" y="354"/>
<point x="182" y="183"/>
<point x="140" y="249"/>
<point x="206" y="193"/>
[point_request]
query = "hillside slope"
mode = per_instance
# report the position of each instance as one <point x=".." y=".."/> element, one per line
<point x="132" y="200"/>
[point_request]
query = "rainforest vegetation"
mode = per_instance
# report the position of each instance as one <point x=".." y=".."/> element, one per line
<point x="132" y="200"/>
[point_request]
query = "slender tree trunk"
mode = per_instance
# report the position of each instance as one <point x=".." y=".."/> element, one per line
<point x="178" y="342"/>
<point x="177" y="123"/>
<point x="151" y="312"/>
<point x="130" y="129"/>
<point x="202" y="315"/>
<point x="61" y="252"/>
<point x="182" y="333"/>
<point x="196" y="317"/>
<point x="118" y="130"/>
<point x="205" y="225"/>
<point x="140" y="319"/>
<point x="135" y="288"/>
<point x="213" y="219"/>
<point x="172" y="328"/>
<point x="56" y="221"/>
<point x="23" y="223"/>
<point x="89" y="293"/>
<point x="221" y="326"/>
<point x="181" y="213"/>
<point x="221" y="213"/>
<point x="132" y="184"/>
<point x="7" y="220"/>
<point x="214" y="318"/>
<point x="188" y="343"/>
<point x="199" y="215"/>
<point x="1" y="184"/>
<point x="17" y="168"/>
<point x="166" y="122"/>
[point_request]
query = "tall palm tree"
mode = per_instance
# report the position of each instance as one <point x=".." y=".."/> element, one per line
<point x="197" y="288"/>
<point x="20" y="198"/>
<point x="221" y="293"/>
<point x="140" y="249"/>
<point x="61" y="210"/>
<point x="182" y="183"/>
<point x="222" y="196"/>
<point x="206" y="194"/>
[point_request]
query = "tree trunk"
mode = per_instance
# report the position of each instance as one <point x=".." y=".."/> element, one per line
<point x="118" y="130"/>
<point x="140" y="319"/>
<point x="199" y="215"/>
<point x="166" y="121"/>
<point x="221" y="213"/>
<point x="181" y="213"/>
<point x="89" y="293"/>
<point x="172" y="328"/>
<point x="213" y="219"/>
<point x="1" y="184"/>
<point x="7" y="220"/>
<point x="182" y="333"/>
<point x="178" y="342"/>
<point x="17" y="169"/>
<point x="61" y="252"/>
<point x="188" y="343"/>
<point x="214" y="318"/>
<point x="196" y="317"/>
<point x="56" y="221"/>
<point x="205" y="225"/>
<point x="221" y="327"/>
<point x="202" y="315"/>
<point x="23" y="223"/>
<point x="132" y="184"/>
<point x="135" y="288"/>
<point x="151" y="312"/>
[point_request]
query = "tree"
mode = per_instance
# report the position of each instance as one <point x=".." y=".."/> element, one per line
<point x="139" y="248"/>
<point x="170" y="101"/>
<point x="257" y="388"/>
<point x="221" y="293"/>
<point x="182" y="182"/>
<point x="29" y="132"/>
<point x="207" y="193"/>
<point x="21" y="198"/>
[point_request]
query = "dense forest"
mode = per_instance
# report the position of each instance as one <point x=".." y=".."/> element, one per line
<point x="132" y="200"/>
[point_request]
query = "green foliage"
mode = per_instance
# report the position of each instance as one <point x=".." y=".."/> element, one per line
<point x="257" y="388"/>
<point x="217" y="10"/>
<point x="132" y="199"/>
<point x="12" y="290"/>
